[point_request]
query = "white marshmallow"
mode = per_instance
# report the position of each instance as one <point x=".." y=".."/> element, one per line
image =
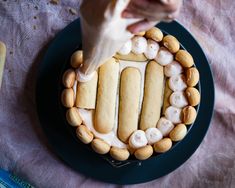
<point x="173" y="114"/>
<point x="152" y="49"/>
<point x="153" y="135"/>
<point x="139" y="44"/>
<point x="81" y="77"/>
<point x="172" y="69"/>
<point x="178" y="99"/>
<point x="126" y="48"/>
<point x="138" y="139"/>
<point x="165" y="126"/>
<point x="177" y="83"/>
<point x="164" y="57"/>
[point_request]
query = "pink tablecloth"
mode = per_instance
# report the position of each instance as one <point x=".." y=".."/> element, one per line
<point x="27" y="26"/>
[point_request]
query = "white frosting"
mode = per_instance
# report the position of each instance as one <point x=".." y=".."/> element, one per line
<point x="126" y="48"/>
<point x="75" y="90"/>
<point x="177" y="83"/>
<point x="172" y="69"/>
<point x="153" y="135"/>
<point x="178" y="99"/>
<point x="81" y="77"/>
<point x="138" y="139"/>
<point x="165" y="126"/>
<point x="139" y="44"/>
<point x="87" y="115"/>
<point x="173" y="114"/>
<point x="164" y="57"/>
<point x="152" y="49"/>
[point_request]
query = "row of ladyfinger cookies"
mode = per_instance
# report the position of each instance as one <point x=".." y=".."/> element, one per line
<point x="177" y="99"/>
<point x="146" y="46"/>
<point x="101" y="147"/>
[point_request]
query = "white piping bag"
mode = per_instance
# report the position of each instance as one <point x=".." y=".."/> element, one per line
<point x="104" y="32"/>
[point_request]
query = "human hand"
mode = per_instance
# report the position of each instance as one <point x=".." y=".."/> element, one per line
<point x="152" y="12"/>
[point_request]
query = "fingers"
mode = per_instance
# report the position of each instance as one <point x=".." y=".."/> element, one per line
<point x="153" y="9"/>
<point x="142" y="25"/>
<point x="146" y="15"/>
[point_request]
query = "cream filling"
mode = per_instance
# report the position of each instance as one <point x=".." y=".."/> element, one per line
<point x="81" y="77"/>
<point x="88" y="115"/>
<point x="126" y="48"/>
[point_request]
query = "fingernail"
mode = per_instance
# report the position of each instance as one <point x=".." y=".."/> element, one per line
<point x="164" y="1"/>
<point x="126" y="14"/>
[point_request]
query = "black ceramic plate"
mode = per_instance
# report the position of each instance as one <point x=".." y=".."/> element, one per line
<point x="86" y="161"/>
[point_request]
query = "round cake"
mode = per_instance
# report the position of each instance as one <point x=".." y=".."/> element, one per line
<point x="138" y="103"/>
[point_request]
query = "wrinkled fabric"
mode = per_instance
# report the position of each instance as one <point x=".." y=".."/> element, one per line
<point x="28" y="26"/>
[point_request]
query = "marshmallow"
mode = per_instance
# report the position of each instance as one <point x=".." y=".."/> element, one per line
<point x="126" y="48"/>
<point x="172" y="69"/>
<point x="164" y="57"/>
<point x="178" y="99"/>
<point x="81" y="77"/>
<point x="173" y="114"/>
<point x="153" y="135"/>
<point x="138" y="139"/>
<point x="139" y="44"/>
<point x="152" y="49"/>
<point x="165" y="126"/>
<point x="177" y="83"/>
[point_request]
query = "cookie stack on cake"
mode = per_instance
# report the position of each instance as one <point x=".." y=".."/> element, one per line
<point x="139" y="102"/>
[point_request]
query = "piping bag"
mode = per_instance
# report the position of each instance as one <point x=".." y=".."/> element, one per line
<point x="104" y="32"/>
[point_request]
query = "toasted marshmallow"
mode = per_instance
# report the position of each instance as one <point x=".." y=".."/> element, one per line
<point x="173" y="114"/>
<point x="152" y="49"/>
<point x="138" y="139"/>
<point x="153" y="135"/>
<point x="126" y="48"/>
<point x="164" y="57"/>
<point x="139" y="45"/>
<point x="165" y="126"/>
<point x="81" y="77"/>
<point x="172" y="69"/>
<point x="177" y="83"/>
<point x="178" y="99"/>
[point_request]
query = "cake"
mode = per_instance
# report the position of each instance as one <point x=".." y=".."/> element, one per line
<point x="139" y="102"/>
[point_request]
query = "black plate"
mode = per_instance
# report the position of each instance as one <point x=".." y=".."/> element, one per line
<point x="90" y="163"/>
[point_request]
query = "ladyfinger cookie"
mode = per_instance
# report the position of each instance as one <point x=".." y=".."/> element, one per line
<point x="171" y="43"/>
<point x="69" y="78"/>
<point x="184" y="58"/>
<point x="73" y="117"/>
<point x="120" y="154"/>
<point x="144" y="152"/>
<point x="100" y="146"/>
<point x="155" y="34"/>
<point x="106" y="96"/>
<point x="193" y="96"/>
<point x="192" y="76"/>
<point x="178" y="133"/>
<point x="67" y="98"/>
<point x="84" y="134"/>
<point x="189" y="114"/>
<point x="142" y="33"/>
<point x="152" y="101"/>
<point x="129" y="96"/>
<point x="76" y="59"/>
<point x="2" y="60"/>
<point x="167" y="94"/>
<point x="86" y="93"/>
<point x="163" y="145"/>
<point x="131" y="57"/>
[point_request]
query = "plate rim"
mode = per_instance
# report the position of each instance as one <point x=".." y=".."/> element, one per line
<point x="63" y="156"/>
